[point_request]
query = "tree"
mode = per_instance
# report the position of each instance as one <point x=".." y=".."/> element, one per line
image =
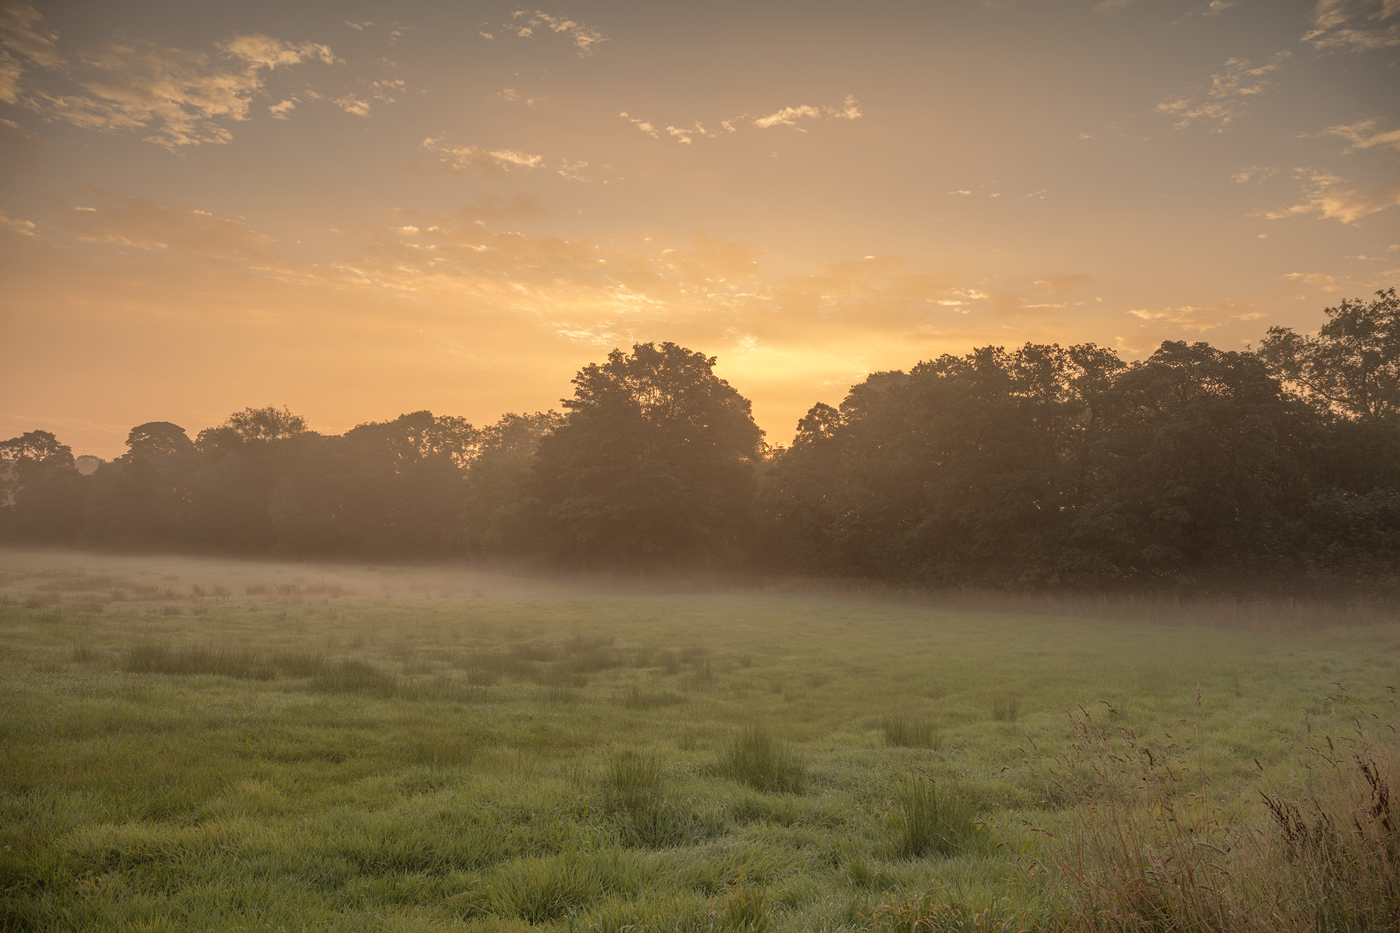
<point x="655" y="463"/>
<point x="41" y="490"/>
<point x="1352" y="365"/>
<point x="135" y="502"/>
<point x="384" y="489"/>
<point x="243" y="461"/>
<point x="497" y="479"/>
<point x="1197" y="470"/>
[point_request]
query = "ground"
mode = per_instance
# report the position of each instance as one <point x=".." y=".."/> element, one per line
<point x="193" y="744"/>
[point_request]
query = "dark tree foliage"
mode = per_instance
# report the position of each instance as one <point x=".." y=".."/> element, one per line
<point x="495" y="510"/>
<point x="135" y="501"/>
<point x="1039" y="466"/>
<point x="962" y="470"/>
<point x="1196" y="470"/>
<point x="655" y="463"/>
<point x="41" y="490"/>
<point x="1352" y="366"/>
<point x="389" y="489"/>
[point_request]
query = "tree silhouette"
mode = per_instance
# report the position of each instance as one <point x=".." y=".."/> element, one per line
<point x="655" y="463"/>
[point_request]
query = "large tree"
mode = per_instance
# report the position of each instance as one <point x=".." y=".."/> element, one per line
<point x="1352" y="364"/>
<point x="41" y="490"/>
<point x="654" y="464"/>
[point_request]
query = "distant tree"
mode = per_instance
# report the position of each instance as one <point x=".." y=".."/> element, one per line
<point x="135" y="502"/>
<point x="243" y="461"/>
<point x="386" y="489"/>
<point x="1352" y="365"/>
<point x="87" y="464"/>
<point x="494" y="510"/>
<point x="251" y="426"/>
<point x="1198" y="470"/>
<point x="965" y="469"/>
<point x="41" y="490"/>
<point x="655" y="463"/>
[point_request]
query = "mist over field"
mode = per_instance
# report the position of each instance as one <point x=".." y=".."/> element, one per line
<point x="202" y="744"/>
<point x="700" y="468"/>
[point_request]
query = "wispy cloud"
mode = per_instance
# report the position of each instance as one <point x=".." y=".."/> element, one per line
<point x="16" y="226"/>
<point x="179" y="98"/>
<point x="1199" y="320"/>
<point x="524" y="24"/>
<point x="788" y="116"/>
<point x="1354" y="25"/>
<point x="642" y="125"/>
<point x="1325" y="282"/>
<point x="458" y="160"/>
<point x="1364" y="135"/>
<point x="1228" y="95"/>
<point x="848" y="109"/>
<point x="1331" y="197"/>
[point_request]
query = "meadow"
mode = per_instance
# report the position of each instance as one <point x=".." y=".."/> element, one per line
<point x="202" y="745"/>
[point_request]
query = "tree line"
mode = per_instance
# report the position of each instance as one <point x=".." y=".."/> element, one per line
<point x="1039" y="466"/>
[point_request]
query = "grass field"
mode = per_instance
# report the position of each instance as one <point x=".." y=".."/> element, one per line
<point x="201" y="745"/>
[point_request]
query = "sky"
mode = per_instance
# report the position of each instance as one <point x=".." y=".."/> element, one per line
<point x="360" y="209"/>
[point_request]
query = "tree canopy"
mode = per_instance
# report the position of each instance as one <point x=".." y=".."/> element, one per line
<point x="1037" y="466"/>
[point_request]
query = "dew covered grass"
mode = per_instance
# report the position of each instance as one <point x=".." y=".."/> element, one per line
<point x="350" y="748"/>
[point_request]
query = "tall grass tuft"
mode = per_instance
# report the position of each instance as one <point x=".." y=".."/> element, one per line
<point x="754" y="757"/>
<point x="1006" y="708"/>
<point x="906" y="732"/>
<point x="1146" y="854"/>
<point x="931" y="821"/>
<point x="635" y="793"/>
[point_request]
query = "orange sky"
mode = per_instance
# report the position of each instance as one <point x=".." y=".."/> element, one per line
<point x="362" y="209"/>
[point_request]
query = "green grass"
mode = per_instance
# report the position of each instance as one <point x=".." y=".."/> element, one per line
<point x="193" y="745"/>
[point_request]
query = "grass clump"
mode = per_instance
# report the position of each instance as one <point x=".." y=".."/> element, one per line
<point x="907" y="732"/>
<point x="754" y="757"/>
<point x="931" y="821"/>
<point x="1006" y="708"/>
<point x="636" y="794"/>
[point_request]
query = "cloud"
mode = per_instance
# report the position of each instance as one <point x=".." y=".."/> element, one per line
<point x="179" y="98"/>
<point x="1354" y="25"/>
<point x="138" y="223"/>
<point x="525" y="23"/>
<point x="1333" y="198"/>
<point x="1227" y="97"/>
<point x="352" y="105"/>
<point x="1325" y="282"/>
<point x="1199" y="320"/>
<point x="1363" y="135"/>
<point x="480" y="161"/>
<point x="17" y="137"/>
<point x="1216" y="7"/>
<point x="788" y="116"/>
<point x="24" y="40"/>
<point x="1105" y="7"/>
<point x="642" y="125"/>
<point x="849" y="109"/>
<point x="12" y="225"/>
